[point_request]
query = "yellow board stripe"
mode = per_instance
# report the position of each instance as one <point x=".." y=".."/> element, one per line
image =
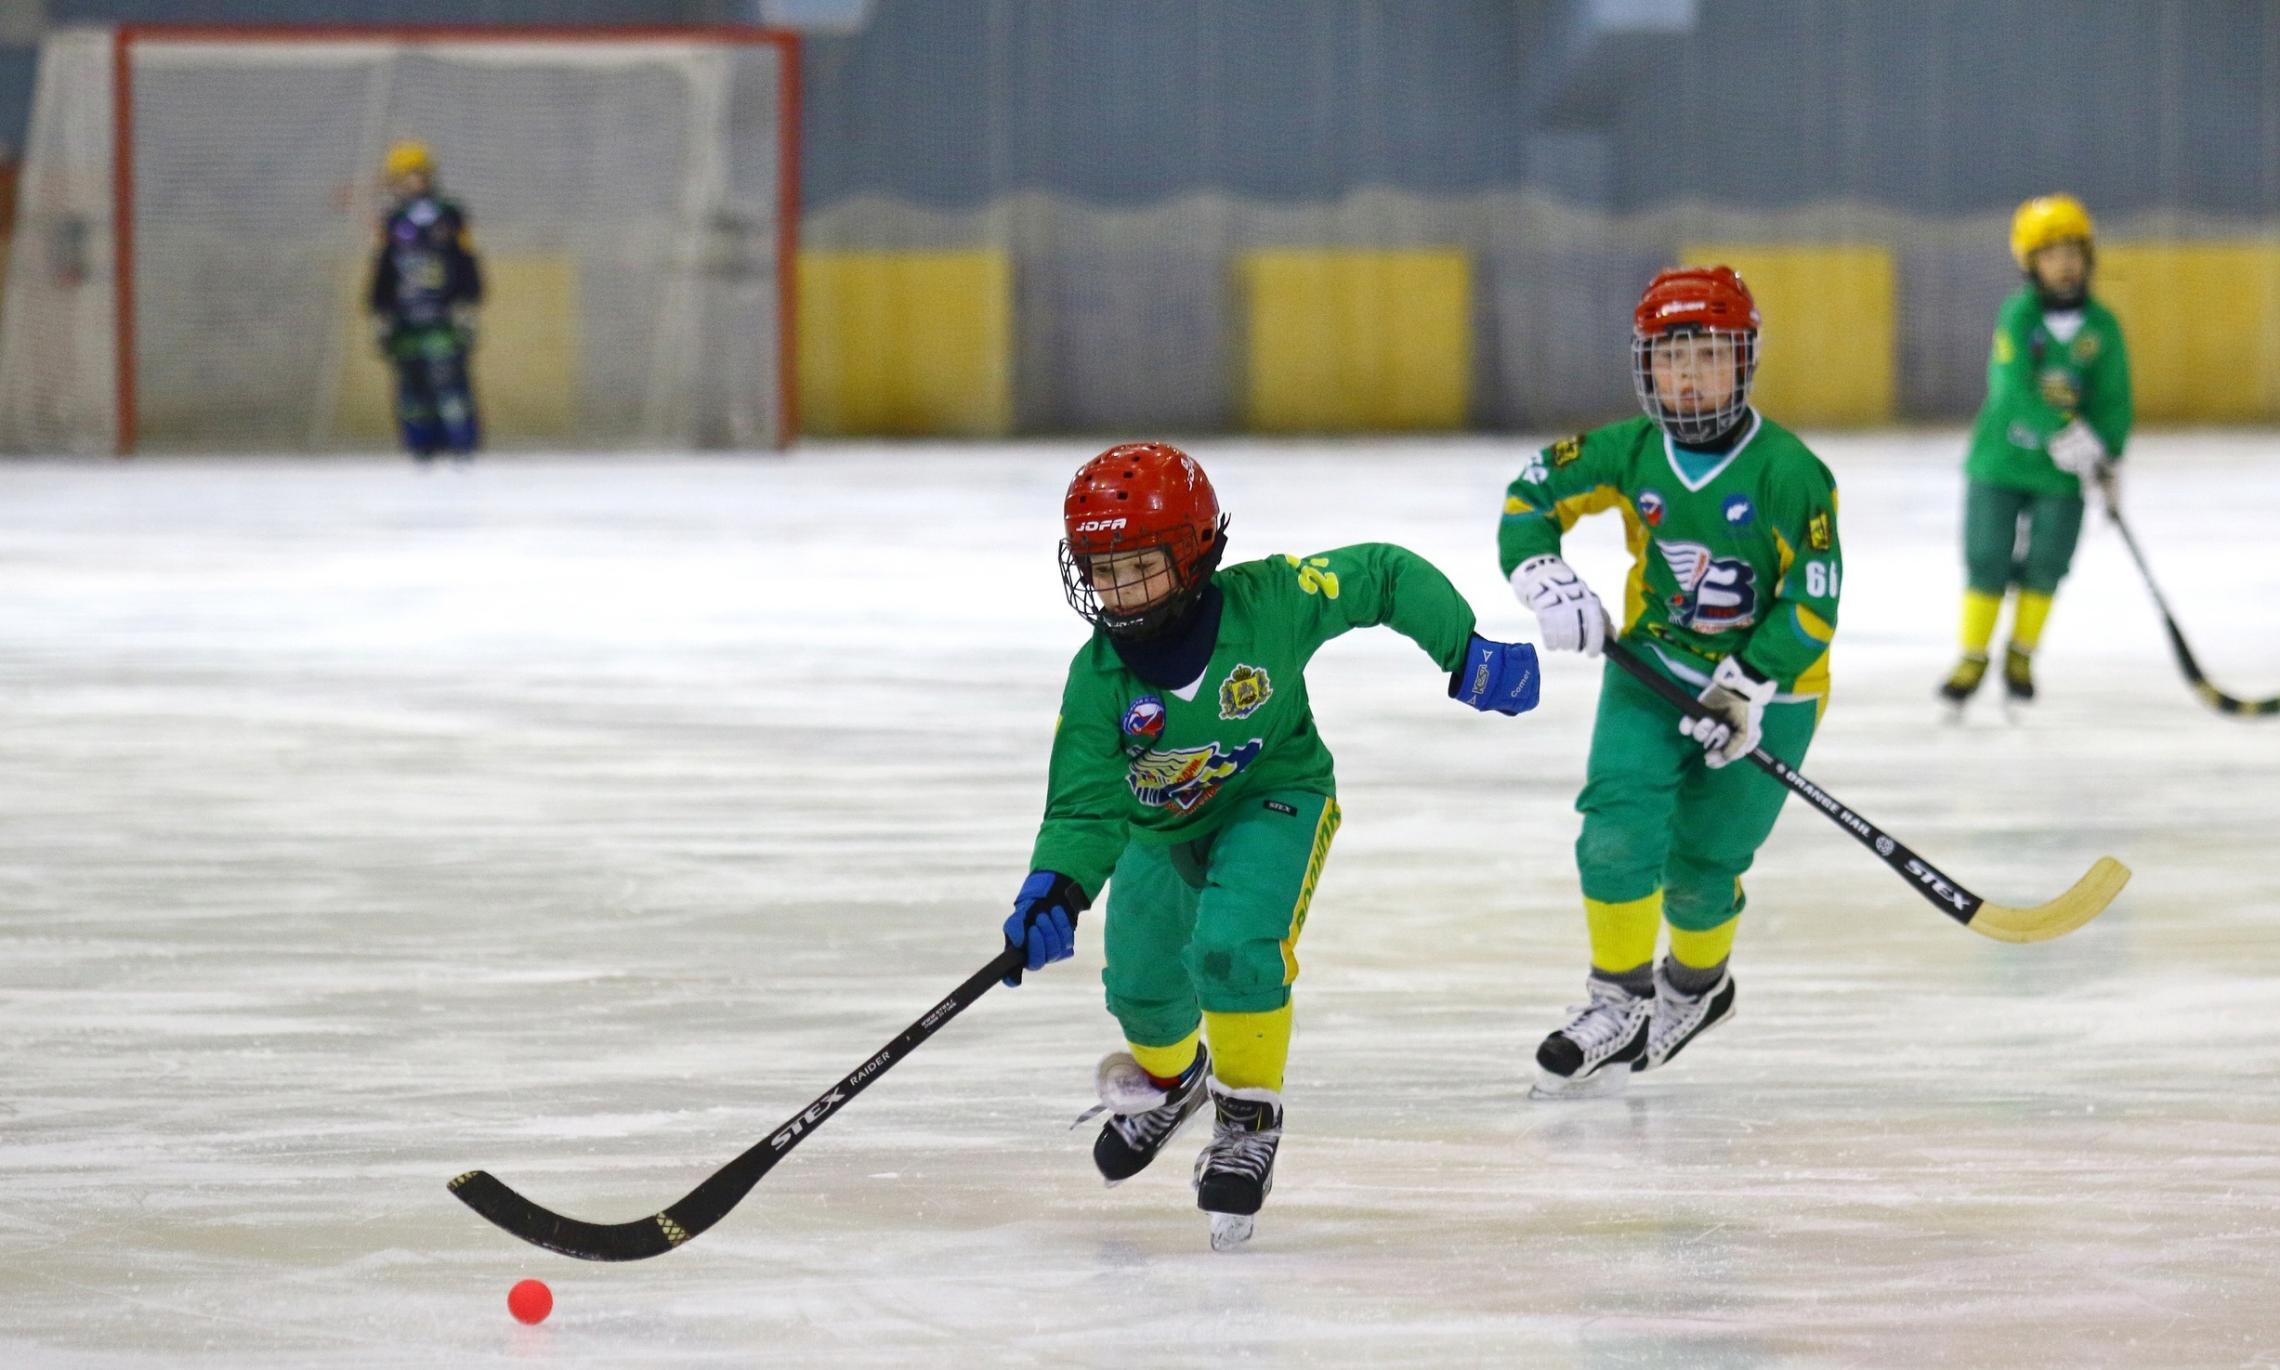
<point x="1325" y="828"/>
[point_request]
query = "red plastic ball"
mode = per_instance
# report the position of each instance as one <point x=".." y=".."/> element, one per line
<point x="530" y="1301"/>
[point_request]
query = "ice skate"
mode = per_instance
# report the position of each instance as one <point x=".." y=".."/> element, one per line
<point x="1143" y="1116"/>
<point x="2018" y="678"/>
<point x="1963" y="682"/>
<point x="1609" y="1031"/>
<point x="1680" y="1018"/>
<point x="1236" y="1171"/>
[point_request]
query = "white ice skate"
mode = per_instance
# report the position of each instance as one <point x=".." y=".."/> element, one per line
<point x="1679" y="1019"/>
<point x="1236" y="1171"/>
<point x="1587" y="1057"/>
<point x="1142" y="1116"/>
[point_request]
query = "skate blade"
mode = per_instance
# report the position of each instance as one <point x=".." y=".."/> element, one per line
<point x="1609" y="1079"/>
<point x="1229" y="1231"/>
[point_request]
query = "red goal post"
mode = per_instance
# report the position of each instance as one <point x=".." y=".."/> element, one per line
<point x="633" y="191"/>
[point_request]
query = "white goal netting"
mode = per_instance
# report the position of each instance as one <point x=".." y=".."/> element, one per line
<point x="628" y="197"/>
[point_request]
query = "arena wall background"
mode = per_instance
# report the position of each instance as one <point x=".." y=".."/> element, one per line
<point x="1032" y="216"/>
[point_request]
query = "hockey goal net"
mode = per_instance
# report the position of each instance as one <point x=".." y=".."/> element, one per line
<point x="197" y="218"/>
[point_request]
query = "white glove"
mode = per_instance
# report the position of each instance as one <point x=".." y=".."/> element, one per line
<point x="1736" y="699"/>
<point x="1570" y="616"/>
<point x="2077" y="450"/>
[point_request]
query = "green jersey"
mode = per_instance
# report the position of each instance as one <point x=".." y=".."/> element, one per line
<point x="1140" y="762"/>
<point x="1732" y="552"/>
<point x="2047" y="368"/>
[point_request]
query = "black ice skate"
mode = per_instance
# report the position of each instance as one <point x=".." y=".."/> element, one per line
<point x="1236" y="1171"/>
<point x="1143" y="1116"/>
<point x="1611" y="1030"/>
<point x="1680" y="1018"/>
<point x="2018" y="676"/>
<point x="1963" y="682"/>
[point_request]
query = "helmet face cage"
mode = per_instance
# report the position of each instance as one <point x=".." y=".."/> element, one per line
<point x="1165" y="589"/>
<point x="1706" y="353"/>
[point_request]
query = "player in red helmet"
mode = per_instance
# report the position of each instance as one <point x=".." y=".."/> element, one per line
<point x="1733" y="524"/>
<point x="1188" y="776"/>
<point x="1144" y="533"/>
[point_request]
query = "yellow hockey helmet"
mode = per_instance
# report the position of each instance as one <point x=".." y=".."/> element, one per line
<point x="408" y="158"/>
<point x="2044" y="220"/>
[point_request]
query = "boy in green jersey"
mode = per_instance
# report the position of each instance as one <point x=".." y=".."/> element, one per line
<point x="2057" y="414"/>
<point x="1732" y="524"/>
<point x="1187" y="776"/>
<point x="423" y="295"/>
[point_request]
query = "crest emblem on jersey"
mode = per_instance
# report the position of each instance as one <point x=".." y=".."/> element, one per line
<point x="1740" y="513"/>
<point x="1818" y="538"/>
<point x="2085" y="348"/>
<point x="1567" y="450"/>
<point x="1715" y="594"/>
<point x="1244" y="691"/>
<point x="1144" y="720"/>
<point x="1651" y="507"/>
<point x="1185" y="778"/>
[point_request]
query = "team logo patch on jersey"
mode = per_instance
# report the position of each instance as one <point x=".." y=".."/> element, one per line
<point x="1652" y="508"/>
<point x="1185" y="778"/>
<point x="2085" y="349"/>
<point x="1818" y="537"/>
<point x="1567" y="450"/>
<point x="1740" y="513"/>
<point x="1145" y="719"/>
<point x="1715" y="594"/>
<point x="1244" y="691"/>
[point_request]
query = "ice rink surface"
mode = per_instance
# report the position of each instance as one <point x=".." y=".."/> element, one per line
<point x="582" y="819"/>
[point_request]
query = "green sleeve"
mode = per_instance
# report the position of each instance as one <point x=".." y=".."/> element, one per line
<point x="1084" y="829"/>
<point x="1368" y="584"/>
<point x="2109" y="409"/>
<point x="2013" y="384"/>
<point x="1572" y="477"/>
<point x="1804" y="617"/>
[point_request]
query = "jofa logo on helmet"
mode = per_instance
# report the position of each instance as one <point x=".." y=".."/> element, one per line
<point x="1740" y="513"/>
<point x="1185" y="778"/>
<point x="1100" y="525"/>
<point x="1651" y="507"/>
<point x="1715" y="594"/>
<point x="1244" y="691"/>
<point x="1145" y="718"/>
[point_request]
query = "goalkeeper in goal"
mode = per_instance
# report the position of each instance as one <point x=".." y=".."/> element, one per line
<point x="426" y="287"/>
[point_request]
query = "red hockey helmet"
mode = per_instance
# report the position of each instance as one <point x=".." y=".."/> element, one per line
<point x="1691" y="397"/>
<point x="1134" y="499"/>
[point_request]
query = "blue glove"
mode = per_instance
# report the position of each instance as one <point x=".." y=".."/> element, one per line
<point x="1044" y="921"/>
<point x="1497" y="677"/>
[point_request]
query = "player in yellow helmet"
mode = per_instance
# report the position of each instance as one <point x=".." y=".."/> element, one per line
<point x="2056" y="417"/>
<point x="426" y="285"/>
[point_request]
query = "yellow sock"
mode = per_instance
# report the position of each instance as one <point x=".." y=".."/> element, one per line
<point x="1623" y="935"/>
<point x="2027" y="622"/>
<point x="1979" y="613"/>
<point x="1166" y="1063"/>
<point x="1249" y="1050"/>
<point x="1702" y="950"/>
